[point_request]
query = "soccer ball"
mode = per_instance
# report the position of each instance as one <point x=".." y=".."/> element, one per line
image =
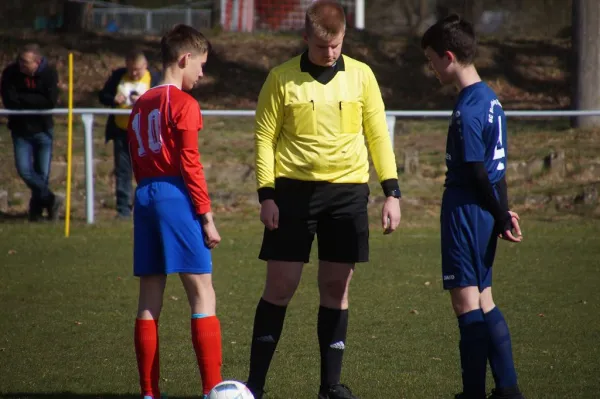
<point x="230" y="390"/>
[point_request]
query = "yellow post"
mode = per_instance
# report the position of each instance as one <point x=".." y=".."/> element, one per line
<point x="69" y="147"/>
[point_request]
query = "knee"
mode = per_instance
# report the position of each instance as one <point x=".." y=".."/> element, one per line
<point x="334" y="289"/>
<point x="24" y="170"/>
<point x="465" y="300"/>
<point x="280" y="291"/>
<point x="201" y="291"/>
<point x="486" y="302"/>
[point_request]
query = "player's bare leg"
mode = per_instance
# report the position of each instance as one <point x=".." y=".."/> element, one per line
<point x="499" y="350"/>
<point x="281" y="284"/>
<point x="473" y="340"/>
<point x="205" y="326"/>
<point x="146" y="333"/>
<point x="334" y="282"/>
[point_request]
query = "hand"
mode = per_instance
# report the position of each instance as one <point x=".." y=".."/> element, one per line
<point x="211" y="235"/>
<point x="120" y="99"/>
<point x="508" y="234"/>
<point x="390" y="214"/>
<point x="269" y="214"/>
<point x="134" y="98"/>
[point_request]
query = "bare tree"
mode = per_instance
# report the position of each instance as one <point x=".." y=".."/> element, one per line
<point x="586" y="56"/>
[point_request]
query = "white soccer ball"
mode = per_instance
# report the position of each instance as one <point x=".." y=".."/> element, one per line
<point x="230" y="390"/>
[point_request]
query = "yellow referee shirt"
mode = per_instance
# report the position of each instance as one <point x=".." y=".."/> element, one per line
<point x="307" y="130"/>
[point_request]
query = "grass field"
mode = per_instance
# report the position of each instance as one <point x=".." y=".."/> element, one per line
<point x="67" y="307"/>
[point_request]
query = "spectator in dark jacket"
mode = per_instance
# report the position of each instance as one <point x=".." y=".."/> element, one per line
<point x="31" y="83"/>
<point x="121" y="90"/>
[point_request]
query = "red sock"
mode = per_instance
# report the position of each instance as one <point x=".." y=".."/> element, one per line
<point x="146" y="351"/>
<point x="206" y="337"/>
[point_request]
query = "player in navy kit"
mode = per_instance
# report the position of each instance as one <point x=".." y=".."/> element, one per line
<point x="474" y="210"/>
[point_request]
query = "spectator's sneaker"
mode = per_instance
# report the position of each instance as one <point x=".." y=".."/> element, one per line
<point x="35" y="211"/>
<point x="337" y="391"/>
<point x="506" y="393"/>
<point x="55" y="207"/>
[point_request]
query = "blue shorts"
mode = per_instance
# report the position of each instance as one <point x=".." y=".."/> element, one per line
<point x="167" y="235"/>
<point x="468" y="241"/>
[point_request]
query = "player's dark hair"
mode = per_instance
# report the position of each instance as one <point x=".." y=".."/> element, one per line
<point x="452" y="34"/>
<point x="182" y="39"/>
<point x="325" y="18"/>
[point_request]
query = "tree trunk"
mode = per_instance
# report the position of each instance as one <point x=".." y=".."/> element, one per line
<point x="74" y="20"/>
<point x="215" y="14"/>
<point x="472" y="10"/>
<point x="586" y="56"/>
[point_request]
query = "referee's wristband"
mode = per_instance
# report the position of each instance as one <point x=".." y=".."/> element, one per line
<point x="391" y="188"/>
<point x="266" y="193"/>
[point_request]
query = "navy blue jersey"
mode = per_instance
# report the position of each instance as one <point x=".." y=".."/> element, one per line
<point x="477" y="133"/>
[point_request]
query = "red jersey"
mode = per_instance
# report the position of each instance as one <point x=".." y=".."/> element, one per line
<point x="163" y="140"/>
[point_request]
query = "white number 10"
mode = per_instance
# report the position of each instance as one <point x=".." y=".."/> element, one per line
<point x="499" y="150"/>
<point x="154" y="134"/>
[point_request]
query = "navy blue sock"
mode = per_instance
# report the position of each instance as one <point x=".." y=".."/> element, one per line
<point x="500" y="350"/>
<point x="473" y="353"/>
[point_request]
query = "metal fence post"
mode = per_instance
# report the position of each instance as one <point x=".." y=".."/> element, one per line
<point x="148" y="21"/>
<point x="188" y="16"/>
<point x="88" y="125"/>
<point x="391" y="125"/>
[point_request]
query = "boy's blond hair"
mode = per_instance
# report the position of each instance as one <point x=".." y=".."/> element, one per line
<point x="182" y="39"/>
<point x="325" y="19"/>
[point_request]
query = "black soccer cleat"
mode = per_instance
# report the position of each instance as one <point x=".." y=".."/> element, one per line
<point x="257" y="393"/>
<point x="464" y="396"/>
<point x="337" y="391"/>
<point x="506" y="393"/>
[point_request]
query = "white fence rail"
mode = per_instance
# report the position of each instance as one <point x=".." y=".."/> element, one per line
<point x="136" y="20"/>
<point x="87" y="117"/>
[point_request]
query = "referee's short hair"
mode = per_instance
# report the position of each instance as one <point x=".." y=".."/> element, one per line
<point x="325" y="19"/>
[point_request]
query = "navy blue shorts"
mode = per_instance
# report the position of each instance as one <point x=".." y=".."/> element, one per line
<point x="167" y="234"/>
<point x="468" y="241"/>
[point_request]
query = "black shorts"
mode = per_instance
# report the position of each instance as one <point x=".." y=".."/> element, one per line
<point x="336" y="212"/>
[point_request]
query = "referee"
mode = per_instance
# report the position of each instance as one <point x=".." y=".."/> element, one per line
<point x="314" y="113"/>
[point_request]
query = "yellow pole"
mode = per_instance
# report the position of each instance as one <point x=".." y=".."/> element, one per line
<point x="69" y="146"/>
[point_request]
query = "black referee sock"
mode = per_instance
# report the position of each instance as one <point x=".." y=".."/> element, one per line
<point x="268" y="323"/>
<point x="332" y="326"/>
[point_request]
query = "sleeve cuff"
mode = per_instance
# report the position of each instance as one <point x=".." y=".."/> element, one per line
<point x="391" y="188"/>
<point x="266" y="193"/>
<point x="203" y="208"/>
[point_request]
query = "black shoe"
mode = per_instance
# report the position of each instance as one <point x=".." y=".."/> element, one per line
<point x="54" y="207"/>
<point x="337" y="391"/>
<point x="463" y="396"/>
<point x="506" y="393"/>
<point x="257" y="393"/>
<point x="35" y="211"/>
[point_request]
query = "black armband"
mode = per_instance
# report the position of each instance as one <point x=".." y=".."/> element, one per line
<point x="391" y="188"/>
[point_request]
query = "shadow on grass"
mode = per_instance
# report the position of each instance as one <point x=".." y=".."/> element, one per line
<point x="13" y="216"/>
<point x="72" y="395"/>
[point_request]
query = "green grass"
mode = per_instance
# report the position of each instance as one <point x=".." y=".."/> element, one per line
<point x="67" y="307"/>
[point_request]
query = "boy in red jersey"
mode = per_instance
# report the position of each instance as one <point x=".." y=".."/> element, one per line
<point x="173" y="224"/>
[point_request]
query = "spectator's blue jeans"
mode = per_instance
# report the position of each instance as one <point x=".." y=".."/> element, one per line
<point x="33" y="154"/>
<point x="123" y="174"/>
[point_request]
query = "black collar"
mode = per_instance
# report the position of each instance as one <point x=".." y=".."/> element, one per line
<point x="321" y="74"/>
